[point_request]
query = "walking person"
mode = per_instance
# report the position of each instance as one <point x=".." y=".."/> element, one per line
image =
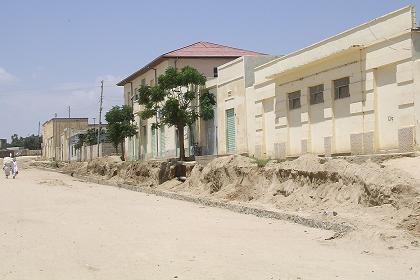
<point x="14" y="169"/>
<point x="7" y="166"/>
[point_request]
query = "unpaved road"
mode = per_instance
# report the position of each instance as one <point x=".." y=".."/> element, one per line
<point x="55" y="227"/>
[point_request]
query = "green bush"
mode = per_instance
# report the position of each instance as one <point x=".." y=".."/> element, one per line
<point x="261" y="162"/>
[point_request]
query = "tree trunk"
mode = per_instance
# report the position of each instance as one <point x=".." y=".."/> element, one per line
<point x="122" y="151"/>
<point x="181" y="142"/>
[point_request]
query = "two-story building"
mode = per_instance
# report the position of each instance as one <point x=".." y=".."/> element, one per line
<point x="162" y="143"/>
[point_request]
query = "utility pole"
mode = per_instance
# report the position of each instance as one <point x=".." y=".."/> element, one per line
<point x="69" y="136"/>
<point x="39" y="128"/>
<point x="100" y="115"/>
<point x="157" y="130"/>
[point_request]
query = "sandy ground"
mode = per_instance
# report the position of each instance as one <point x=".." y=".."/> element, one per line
<point x="408" y="164"/>
<point x="55" y="227"/>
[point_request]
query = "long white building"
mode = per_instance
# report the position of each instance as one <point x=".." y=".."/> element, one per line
<point x="357" y="92"/>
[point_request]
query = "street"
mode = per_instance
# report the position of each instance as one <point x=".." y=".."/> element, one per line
<point x="53" y="226"/>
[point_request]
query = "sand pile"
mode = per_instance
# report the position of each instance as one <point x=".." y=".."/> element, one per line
<point x="145" y="174"/>
<point x="308" y="183"/>
<point x="310" y="179"/>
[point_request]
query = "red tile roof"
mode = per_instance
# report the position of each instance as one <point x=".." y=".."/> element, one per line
<point x="199" y="49"/>
<point x="206" y="49"/>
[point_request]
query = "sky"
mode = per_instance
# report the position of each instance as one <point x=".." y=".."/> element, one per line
<point x="53" y="53"/>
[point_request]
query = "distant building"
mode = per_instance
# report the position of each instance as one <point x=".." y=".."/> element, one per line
<point x="70" y="139"/>
<point x="52" y="147"/>
<point x="3" y="144"/>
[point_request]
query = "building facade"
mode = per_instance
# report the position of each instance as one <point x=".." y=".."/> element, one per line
<point x="3" y="144"/>
<point x="232" y="87"/>
<point x="52" y="130"/>
<point x="355" y="93"/>
<point x="162" y="143"/>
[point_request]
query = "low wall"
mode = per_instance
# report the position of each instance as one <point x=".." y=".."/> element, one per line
<point x="88" y="153"/>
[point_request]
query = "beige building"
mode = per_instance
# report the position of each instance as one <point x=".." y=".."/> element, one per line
<point x="357" y="92"/>
<point x="233" y="85"/>
<point x="52" y="130"/>
<point x="149" y="143"/>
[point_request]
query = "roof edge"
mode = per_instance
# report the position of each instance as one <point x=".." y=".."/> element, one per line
<point x="334" y="37"/>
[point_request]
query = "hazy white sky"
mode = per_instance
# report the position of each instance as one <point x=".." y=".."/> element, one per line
<point x="53" y="54"/>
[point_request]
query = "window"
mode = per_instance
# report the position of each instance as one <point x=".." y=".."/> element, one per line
<point x="215" y="73"/>
<point x="135" y="94"/>
<point x="294" y="100"/>
<point x="316" y="94"/>
<point x="152" y="82"/>
<point x="143" y="82"/>
<point x="341" y="88"/>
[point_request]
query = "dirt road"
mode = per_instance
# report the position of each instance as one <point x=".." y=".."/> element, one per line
<point x="55" y="227"/>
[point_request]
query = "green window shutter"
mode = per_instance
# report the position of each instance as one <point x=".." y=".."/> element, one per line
<point x="154" y="143"/>
<point x="230" y="131"/>
<point x="162" y="141"/>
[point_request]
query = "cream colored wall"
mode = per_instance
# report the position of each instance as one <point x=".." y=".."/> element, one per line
<point x="203" y="65"/>
<point x="52" y="131"/>
<point x="387" y="26"/>
<point x="231" y="94"/>
<point x="366" y="110"/>
<point x="415" y="95"/>
<point x="47" y="138"/>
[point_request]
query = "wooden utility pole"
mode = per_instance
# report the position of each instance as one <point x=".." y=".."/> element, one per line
<point x="68" y="137"/>
<point x="100" y="115"/>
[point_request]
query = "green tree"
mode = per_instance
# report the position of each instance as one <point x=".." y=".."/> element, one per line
<point x="80" y="141"/>
<point x="31" y="142"/>
<point x="92" y="136"/>
<point x="177" y="100"/>
<point x="120" y="125"/>
<point x="16" y="141"/>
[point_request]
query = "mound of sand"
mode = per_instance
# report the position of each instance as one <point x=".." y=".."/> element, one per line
<point x="310" y="179"/>
<point x="144" y="174"/>
<point x="307" y="183"/>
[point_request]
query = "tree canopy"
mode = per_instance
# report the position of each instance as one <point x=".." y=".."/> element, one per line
<point x="32" y="142"/>
<point x="177" y="100"/>
<point x="120" y="125"/>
